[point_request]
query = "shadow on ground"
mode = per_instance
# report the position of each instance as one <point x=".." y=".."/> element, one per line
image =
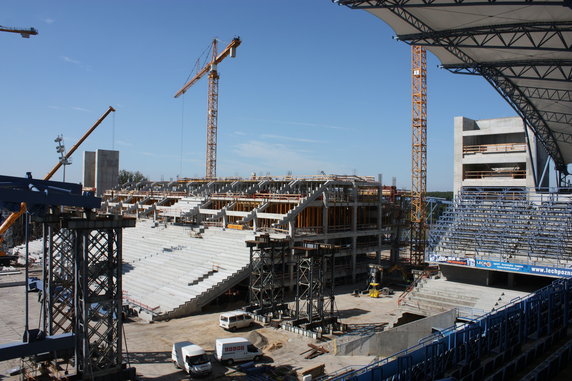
<point x="352" y="312"/>
<point x="149" y="357"/>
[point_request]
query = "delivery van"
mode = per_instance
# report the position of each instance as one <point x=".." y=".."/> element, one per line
<point x="192" y="358"/>
<point x="235" y="320"/>
<point x="235" y="349"/>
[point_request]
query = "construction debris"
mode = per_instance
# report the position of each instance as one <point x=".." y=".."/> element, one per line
<point x="315" y="351"/>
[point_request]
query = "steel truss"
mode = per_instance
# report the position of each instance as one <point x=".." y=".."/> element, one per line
<point x="499" y="75"/>
<point x="314" y="291"/>
<point x="82" y="291"/>
<point x="507" y="225"/>
<point x="266" y="296"/>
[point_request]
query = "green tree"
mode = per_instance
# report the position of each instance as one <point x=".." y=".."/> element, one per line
<point x="126" y="176"/>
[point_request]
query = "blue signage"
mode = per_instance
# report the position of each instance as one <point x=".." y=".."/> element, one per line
<point x="502" y="266"/>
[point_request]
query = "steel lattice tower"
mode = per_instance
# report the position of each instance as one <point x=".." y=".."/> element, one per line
<point x="266" y="291"/>
<point x="418" y="154"/>
<point x="212" y="118"/>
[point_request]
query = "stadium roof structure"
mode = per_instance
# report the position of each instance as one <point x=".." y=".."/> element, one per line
<point x="523" y="48"/>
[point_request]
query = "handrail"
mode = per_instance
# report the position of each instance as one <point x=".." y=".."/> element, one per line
<point x="494" y="148"/>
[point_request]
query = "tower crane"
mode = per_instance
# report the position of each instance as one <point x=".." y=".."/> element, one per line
<point x="418" y="155"/>
<point x="26" y="33"/>
<point x="212" y="115"/>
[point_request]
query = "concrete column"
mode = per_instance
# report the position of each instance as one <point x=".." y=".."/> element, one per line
<point x="354" y="258"/>
<point x="379" y="219"/>
<point x="325" y="216"/>
<point x="255" y="223"/>
<point x="510" y="280"/>
<point x="354" y="231"/>
<point x="291" y="229"/>
<point x="224" y="218"/>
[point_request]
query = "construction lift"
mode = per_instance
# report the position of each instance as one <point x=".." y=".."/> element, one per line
<point x="212" y="115"/>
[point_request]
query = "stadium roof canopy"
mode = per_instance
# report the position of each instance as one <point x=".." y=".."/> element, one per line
<point x="523" y="48"/>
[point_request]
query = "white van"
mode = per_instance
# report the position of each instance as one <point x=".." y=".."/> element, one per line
<point x="192" y="358"/>
<point x="235" y="349"/>
<point x="235" y="320"/>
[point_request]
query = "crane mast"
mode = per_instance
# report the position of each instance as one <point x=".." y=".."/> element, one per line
<point x="212" y="119"/>
<point x="212" y="106"/>
<point x="418" y="155"/>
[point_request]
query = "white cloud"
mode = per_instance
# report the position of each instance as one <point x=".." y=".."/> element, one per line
<point x="49" y="20"/>
<point x="300" y="124"/>
<point x="292" y="139"/>
<point x="81" y="109"/>
<point x="70" y="60"/>
<point x="280" y="158"/>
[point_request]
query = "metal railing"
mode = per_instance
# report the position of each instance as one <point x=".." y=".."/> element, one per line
<point x="494" y="148"/>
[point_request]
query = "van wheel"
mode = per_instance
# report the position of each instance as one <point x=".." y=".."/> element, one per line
<point x="233" y="329"/>
<point x="257" y="358"/>
<point x="229" y="362"/>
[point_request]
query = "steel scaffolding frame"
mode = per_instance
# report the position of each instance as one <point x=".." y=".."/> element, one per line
<point x="266" y="291"/>
<point x="507" y="224"/>
<point x="82" y="290"/>
<point x="314" y="305"/>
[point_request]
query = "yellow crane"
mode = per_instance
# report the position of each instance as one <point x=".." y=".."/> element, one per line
<point x="418" y="155"/>
<point x="212" y="115"/>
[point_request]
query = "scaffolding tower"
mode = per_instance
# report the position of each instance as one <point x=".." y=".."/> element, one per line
<point x="314" y="306"/>
<point x="82" y="293"/>
<point x="266" y="292"/>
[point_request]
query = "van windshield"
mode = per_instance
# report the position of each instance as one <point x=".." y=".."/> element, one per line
<point x="223" y="318"/>
<point x="198" y="359"/>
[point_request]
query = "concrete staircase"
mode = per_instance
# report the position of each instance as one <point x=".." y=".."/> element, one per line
<point x="433" y="296"/>
<point x="169" y="274"/>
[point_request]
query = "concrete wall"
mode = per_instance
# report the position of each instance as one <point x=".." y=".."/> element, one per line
<point x="106" y="170"/>
<point x="394" y="340"/>
<point x="495" y="131"/>
<point x="88" y="178"/>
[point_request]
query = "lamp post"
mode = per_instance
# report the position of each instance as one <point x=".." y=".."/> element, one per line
<point x="61" y="149"/>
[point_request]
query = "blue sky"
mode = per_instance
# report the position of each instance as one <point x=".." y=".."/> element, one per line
<point x="314" y="87"/>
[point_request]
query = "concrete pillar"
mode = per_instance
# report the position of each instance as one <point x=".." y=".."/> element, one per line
<point x="291" y="229"/>
<point x="379" y="219"/>
<point x="255" y="222"/>
<point x="88" y="169"/>
<point x="325" y="216"/>
<point x="354" y="258"/>
<point x="354" y="231"/>
<point x="224" y="218"/>
<point x="510" y="280"/>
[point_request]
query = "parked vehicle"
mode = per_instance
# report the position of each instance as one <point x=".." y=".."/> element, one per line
<point x="192" y="358"/>
<point x="235" y="320"/>
<point x="236" y="349"/>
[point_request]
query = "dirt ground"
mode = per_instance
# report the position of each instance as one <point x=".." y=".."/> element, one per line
<point x="148" y="345"/>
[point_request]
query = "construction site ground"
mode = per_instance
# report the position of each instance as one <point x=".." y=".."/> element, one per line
<point x="149" y="344"/>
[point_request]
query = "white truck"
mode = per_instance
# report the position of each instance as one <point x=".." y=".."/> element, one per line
<point x="235" y="349"/>
<point x="192" y="358"/>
